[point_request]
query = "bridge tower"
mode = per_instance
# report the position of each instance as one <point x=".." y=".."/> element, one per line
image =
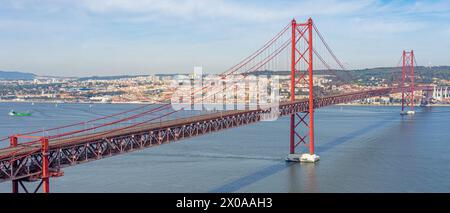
<point x="407" y="77"/>
<point x="302" y="124"/>
<point x="44" y="175"/>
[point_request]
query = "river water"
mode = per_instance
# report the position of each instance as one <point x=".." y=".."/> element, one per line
<point x="362" y="149"/>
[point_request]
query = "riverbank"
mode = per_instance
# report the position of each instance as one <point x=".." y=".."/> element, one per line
<point x="69" y="102"/>
<point x="385" y="105"/>
<point x="136" y="102"/>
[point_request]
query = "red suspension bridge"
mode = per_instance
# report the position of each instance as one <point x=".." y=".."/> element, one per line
<point x="42" y="154"/>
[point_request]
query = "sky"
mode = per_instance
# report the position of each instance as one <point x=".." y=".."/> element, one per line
<point x="117" y="37"/>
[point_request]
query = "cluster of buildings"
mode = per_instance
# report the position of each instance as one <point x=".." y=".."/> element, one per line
<point x="118" y="90"/>
<point x="160" y="88"/>
<point x="441" y="93"/>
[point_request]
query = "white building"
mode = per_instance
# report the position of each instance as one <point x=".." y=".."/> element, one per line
<point x="441" y="93"/>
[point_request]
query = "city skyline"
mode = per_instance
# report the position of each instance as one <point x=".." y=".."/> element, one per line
<point x="114" y="37"/>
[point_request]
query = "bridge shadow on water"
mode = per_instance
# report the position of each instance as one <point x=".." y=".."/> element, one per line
<point x="273" y="169"/>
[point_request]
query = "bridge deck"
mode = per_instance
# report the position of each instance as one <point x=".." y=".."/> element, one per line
<point x="80" y="139"/>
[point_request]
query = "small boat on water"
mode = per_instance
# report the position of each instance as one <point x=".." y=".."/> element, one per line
<point x="14" y="113"/>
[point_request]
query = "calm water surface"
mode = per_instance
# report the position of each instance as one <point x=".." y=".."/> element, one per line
<point x="362" y="149"/>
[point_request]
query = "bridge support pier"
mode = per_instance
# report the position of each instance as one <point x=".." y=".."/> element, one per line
<point x="21" y="185"/>
<point x="302" y="124"/>
<point x="15" y="183"/>
<point x="45" y="166"/>
<point x="45" y="174"/>
<point x="15" y="186"/>
<point x="303" y="158"/>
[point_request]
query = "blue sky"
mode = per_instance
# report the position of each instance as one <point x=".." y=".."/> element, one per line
<point x="110" y="37"/>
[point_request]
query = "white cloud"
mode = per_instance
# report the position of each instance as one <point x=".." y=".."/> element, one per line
<point x="141" y="27"/>
<point x="411" y="8"/>
<point x="226" y="9"/>
<point x="183" y="9"/>
<point x="381" y="27"/>
<point x="429" y="7"/>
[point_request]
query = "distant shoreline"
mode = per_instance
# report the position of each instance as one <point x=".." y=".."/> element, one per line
<point x="358" y="104"/>
<point x="133" y="102"/>
<point x="52" y="102"/>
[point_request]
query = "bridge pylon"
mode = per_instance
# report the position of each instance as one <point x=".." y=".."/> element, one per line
<point x="302" y="124"/>
<point x="19" y="162"/>
<point x="407" y="78"/>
